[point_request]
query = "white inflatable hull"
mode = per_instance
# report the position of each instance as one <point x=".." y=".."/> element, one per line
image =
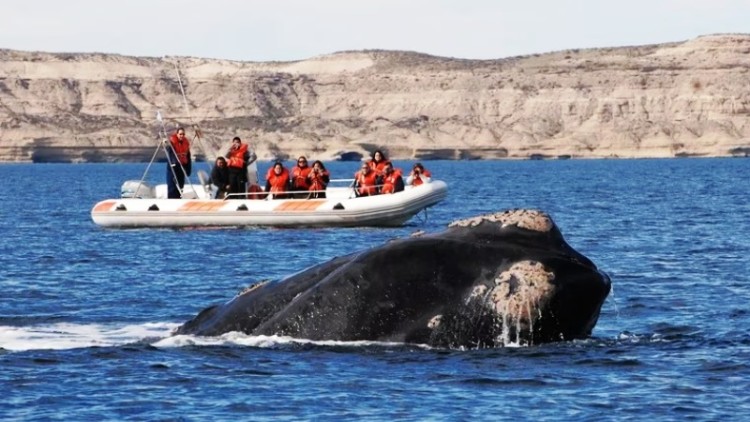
<point x="340" y="209"/>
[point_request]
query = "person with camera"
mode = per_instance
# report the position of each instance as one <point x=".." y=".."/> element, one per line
<point x="318" y="179"/>
<point x="418" y="175"/>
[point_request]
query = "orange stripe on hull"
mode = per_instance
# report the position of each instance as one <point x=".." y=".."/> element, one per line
<point x="298" y="206"/>
<point x="202" y="206"/>
<point x="104" y="206"/>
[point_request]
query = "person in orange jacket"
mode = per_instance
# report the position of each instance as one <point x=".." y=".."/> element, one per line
<point x="300" y="180"/>
<point x="318" y="178"/>
<point x="236" y="159"/>
<point x="418" y="175"/>
<point x="365" y="181"/>
<point x="277" y="181"/>
<point x="378" y="162"/>
<point x="392" y="181"/>
<point x="179" y="163"/>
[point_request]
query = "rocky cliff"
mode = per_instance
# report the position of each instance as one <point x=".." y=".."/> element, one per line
<point x="679" y="99"/>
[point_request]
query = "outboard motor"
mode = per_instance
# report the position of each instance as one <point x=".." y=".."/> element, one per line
<point x="136" y="189"/>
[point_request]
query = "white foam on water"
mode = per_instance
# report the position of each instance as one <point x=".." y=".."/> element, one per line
<point x="236" y="338"/>
<point x="65" y="336"/>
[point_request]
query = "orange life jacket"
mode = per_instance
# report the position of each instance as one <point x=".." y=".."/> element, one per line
<point x="417" y="180"/>
<point x="278" y="182"/>
<point x="181" y="149"/>
<point x="255" y="192"/>
<point x="378" y="167"/>
<point x="236" y="157"/>
<point x="317" y="182"/>
<point x="367" y="183"/>
<point x="389" y="182"/>
<point x="299" y="177"/>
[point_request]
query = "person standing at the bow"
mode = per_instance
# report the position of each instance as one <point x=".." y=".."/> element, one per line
<point x="179" y="163"/>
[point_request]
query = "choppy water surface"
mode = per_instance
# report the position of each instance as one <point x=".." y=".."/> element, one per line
<point x="86" y="312"/>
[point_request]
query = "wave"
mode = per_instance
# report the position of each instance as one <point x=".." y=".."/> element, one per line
<point x="236" y="338"/>
<point x="65" y="336"/>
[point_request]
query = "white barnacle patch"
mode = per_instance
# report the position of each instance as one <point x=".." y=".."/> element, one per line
<point x="478" y="291"/>
<point x="418" y="233"/>
<point x="519" y="295"/>
<point x="534" y="220"/>
<point x="434" y="322"/>
<point x="252" y="287"/>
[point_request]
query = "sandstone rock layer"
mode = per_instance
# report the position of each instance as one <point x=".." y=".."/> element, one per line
<point x="668" y="100"/>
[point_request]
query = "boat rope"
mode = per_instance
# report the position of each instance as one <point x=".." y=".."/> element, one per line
<point x="211" y="155"/>
<point x="162" y="144"/>
<point x="423" y="221"/>
<point x="153" y="157"/>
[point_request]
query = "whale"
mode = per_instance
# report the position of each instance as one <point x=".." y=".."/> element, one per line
<point x="494" y="280"/>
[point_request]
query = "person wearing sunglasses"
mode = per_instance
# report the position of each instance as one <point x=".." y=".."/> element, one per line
<point x="300" y="177"/>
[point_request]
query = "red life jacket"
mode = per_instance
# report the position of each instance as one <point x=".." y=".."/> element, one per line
<point x="417" y="180"/>
<point x="236" y="157"/>
<point x="255" y="192"/>
<point x="181" y="149"/>
<point x="389" y="182"/>
<point x="278" y="182"/>
<point x="378" y="167"/>
<point x="317" y="182"/>
<point x="299" y="177"/>
<point x="367" y="183"/>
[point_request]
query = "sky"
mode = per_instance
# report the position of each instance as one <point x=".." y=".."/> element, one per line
<point x="285" y="30"/>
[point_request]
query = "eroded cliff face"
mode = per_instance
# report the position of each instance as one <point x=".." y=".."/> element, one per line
<point x="678" y="99"/>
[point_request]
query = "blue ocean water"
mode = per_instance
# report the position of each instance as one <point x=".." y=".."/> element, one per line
<point x="86" y="312"/>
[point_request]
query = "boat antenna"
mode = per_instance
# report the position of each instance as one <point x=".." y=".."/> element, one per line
<point x="211" y="155"/>
<point x="162" y="144"/>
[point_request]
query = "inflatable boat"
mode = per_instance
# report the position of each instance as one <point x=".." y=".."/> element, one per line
<point x="141" y="205"/>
